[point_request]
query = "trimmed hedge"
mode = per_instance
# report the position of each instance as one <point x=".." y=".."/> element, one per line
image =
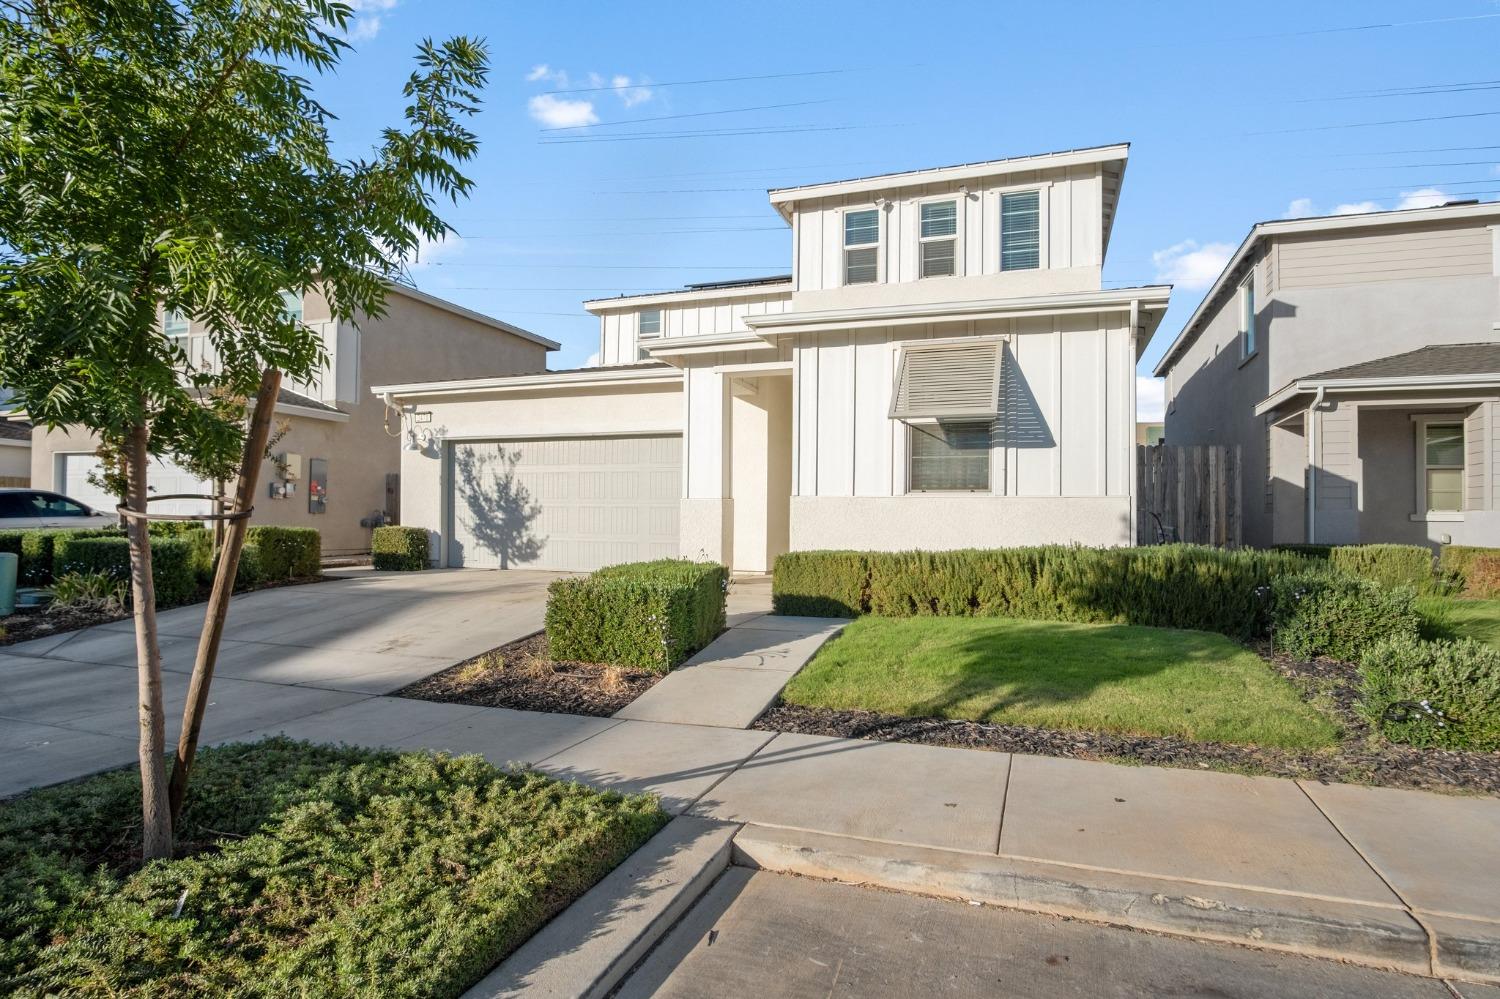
<point x="1169" y="586"/>
<point x="1443" y="694"/>
<point x="35" y="546"/>
<point x="284" y="552"/>
<point x="1456" y="562"/>
<point x="1340" y="616"/>
<point x="172" y="562"/>
<point x="645" y="615"/>
<point x="1391" y="565"/>
<point x="399" y="549"/>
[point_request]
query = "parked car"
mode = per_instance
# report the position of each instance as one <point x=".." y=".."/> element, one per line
<point x="22" y="508"/>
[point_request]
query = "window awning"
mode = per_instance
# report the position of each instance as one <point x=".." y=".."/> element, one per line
<point x="950" y="381"/>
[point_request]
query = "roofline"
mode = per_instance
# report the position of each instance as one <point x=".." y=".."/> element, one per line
<point x="586" y="378"/>
<point x="596" y="306"/>
<point x="14" y="442"/>
<point x="1318" y="223"/>
<point x="1149" y="298"/>
<point x="478" y="317"/>
<point x="331" y="415"/>
<point x="1376" y="383"/>
<point x="780" y="196"/>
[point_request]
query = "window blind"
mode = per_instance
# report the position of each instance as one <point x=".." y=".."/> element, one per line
<point x="1020" y="231"/>
<point x="939" y="242"/>
<point x="953" y="457"/>
<point x="650" y="322"/>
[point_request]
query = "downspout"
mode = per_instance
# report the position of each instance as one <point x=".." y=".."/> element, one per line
<point x="1134" y="528"/>
<point x="1312" y="464"/>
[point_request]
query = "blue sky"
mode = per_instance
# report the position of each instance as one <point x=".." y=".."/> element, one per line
<point x="1232" y="120"/>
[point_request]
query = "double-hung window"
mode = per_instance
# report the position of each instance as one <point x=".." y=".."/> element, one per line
<point x="1441" y="465"/>
<point x="648" y="327"/>
<point x="174" y="323"/>
<point x="939" y="239"/>
<point x="950" y="457"/>
<point x="862" y="246"/>
<point x="1020" y="231"/>
<point x="1247" y="318"/>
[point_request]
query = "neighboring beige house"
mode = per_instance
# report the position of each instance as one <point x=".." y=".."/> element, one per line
<point x="942" y="368"/>
<point x="15" y="453"/>
<point x="1356" y="362"/>
<point x="337" y="465"/>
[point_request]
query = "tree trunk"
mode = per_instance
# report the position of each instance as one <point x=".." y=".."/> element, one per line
<point x="223" y="589"/>
<point x="155" y="811"/>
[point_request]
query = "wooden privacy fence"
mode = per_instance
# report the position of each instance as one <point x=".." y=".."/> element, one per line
<point x="1188" y="494"/>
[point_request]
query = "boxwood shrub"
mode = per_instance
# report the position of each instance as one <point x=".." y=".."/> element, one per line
<point x="35" y="547"/>
<point x="645" y="615"/>
<point x="172" y="562"/>
<point x="1170" y="586"/>
<point x="399" y="549"/>
<point x="285" y="552"/>
<point x="1444" y="694"/>
<point x="1340" y="616"/>
<point x="1392" y="565"/>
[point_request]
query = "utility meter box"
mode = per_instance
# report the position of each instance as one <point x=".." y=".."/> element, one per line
<point x="290" y="466"/>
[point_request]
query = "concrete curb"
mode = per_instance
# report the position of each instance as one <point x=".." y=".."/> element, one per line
<point x="1374" y="935"/>
<point x="590" y="946"/>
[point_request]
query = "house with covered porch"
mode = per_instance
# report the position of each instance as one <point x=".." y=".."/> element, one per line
<point x="1355" y="361"/>
<point x="941" y="368"/>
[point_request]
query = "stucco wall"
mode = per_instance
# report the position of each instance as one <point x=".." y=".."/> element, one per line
<point x="936" y="522"/>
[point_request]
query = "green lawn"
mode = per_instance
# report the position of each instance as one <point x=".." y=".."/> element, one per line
<point x="1119" y="678"/>
<point x="302" y="871"/>
<point x="1453" y="617"/>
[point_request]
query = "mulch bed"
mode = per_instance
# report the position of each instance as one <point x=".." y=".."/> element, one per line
<point x="1362" y="758"/>
<point x="39" y="622"/>
<point x="523" y="676"/>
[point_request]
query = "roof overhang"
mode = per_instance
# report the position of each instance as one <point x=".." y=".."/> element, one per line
<point x="478" y="317"/>
<point x="588" y="378"/>
<point x="311" y="412"/>
<point x="1365" y="386"/>
<point x="688" y="346"/>
<point x="1149" y="303"/>
<point x="599" y="306"/>
<point x="783" y="198"/>
<point x="1333" y="223"/>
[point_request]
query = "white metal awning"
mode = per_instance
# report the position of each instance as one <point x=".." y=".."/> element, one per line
<point x="949" y="381"/>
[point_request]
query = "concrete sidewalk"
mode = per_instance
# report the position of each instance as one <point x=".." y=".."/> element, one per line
<point x="1393" y="879"/>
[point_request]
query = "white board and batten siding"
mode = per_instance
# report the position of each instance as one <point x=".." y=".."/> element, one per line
<point x="1071" y="235"/>
<point x="1066" y="428"/>
<point x="697" y="317"/>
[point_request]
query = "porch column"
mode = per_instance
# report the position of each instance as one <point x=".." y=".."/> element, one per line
<point x="707" y="517"/>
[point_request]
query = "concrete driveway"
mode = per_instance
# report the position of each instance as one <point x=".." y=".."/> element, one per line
<point x="67" y="702"/>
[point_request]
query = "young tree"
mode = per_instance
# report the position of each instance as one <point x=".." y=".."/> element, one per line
<point x="161" y="154"/>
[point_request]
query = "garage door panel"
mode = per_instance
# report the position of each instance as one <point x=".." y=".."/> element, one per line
<point x="163" y="478"/>
<point x="567" y="503"/>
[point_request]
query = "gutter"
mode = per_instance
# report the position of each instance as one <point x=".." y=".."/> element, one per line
<point x="1476" y="381"/>
<point x="600" y="377"/>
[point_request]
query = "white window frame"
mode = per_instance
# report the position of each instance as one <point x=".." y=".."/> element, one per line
<point x="642" y="336"/>
<point x="1419" y="442"/>
<point x="957" y="200"/>
<point x="301" y="312"/>
<point x="1041" y="224"/>
<point x="166" y="324"/>
<point x="1249" y="326"/>
<point x="878" y="246"/>
<point x="915" y="427"/>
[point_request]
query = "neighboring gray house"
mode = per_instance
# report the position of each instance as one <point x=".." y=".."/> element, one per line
<point x="1356" y="361"/>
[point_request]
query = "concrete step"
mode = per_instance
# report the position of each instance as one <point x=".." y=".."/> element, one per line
<point x="1378" y="935"/>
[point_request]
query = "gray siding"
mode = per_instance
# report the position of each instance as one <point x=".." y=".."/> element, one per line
<point x="1321" y="261"/>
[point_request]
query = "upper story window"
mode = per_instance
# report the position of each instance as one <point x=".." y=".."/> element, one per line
<point x="648" y="327"/>
<point x="861" y="246"/>
<point x="291" y="305"/>
<point x="939" y="239"/>
<point x="1020" y="231"/>
<point x="1248" y="335"/>
<point x="1441" y="462"/>
<point x="174" y="323"/>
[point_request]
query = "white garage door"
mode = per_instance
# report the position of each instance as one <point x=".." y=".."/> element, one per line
<point x="572" y="503"/>
<point x="163" y="479"/>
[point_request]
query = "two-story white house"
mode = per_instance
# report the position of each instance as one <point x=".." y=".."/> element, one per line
<point x="941" y="369"/>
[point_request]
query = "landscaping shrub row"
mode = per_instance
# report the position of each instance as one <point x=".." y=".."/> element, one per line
<point x="399" y="549"/>
<point x="1391" y="565"/>
<point x="1443" y="694"/>
<point x="1472" y="570"/>
<point x="646" y="615"/>
<point x="303" y="871"/>
<point x="1339" y="616"/>
<point x="172" y="562"/>
<point x="1170" y="586"/>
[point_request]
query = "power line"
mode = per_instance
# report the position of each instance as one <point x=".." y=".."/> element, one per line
<point x="711" y="134"/>
<point x="1400" y="152"/>
<point x="696" y="114"/>
<point x="1375" y="124"/>
<point x="1377" y="26"/>
<point x="1416" y="166"/>
<point x="717" y="79"/>
<point x="1416" y="92"/>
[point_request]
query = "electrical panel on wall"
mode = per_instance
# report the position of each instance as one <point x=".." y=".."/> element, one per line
<point x="317" y="485"/>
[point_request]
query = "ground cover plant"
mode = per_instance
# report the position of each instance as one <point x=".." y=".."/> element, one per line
<point x="1061" y="675"/>
<point x="305" y="870"/>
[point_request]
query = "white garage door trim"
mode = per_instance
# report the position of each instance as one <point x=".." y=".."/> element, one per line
<point x="587" y="500"/>
<point x="163" y="478"/>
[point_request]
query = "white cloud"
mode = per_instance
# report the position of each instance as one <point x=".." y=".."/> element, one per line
<point x="431" y="251"/>
<point x="1357" y="208"/>
<point x="1150" y="399"/>
<point x="630" y="92"/>
<point x="369" y="17"/>
<point x="1299" y="208"/>
<point x="560" y="112"/>
<point x="1427" y="197"/>
<point x="593" y="360"/>
<point x="1189" y="264"/>
<point x="542" y="72"/>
